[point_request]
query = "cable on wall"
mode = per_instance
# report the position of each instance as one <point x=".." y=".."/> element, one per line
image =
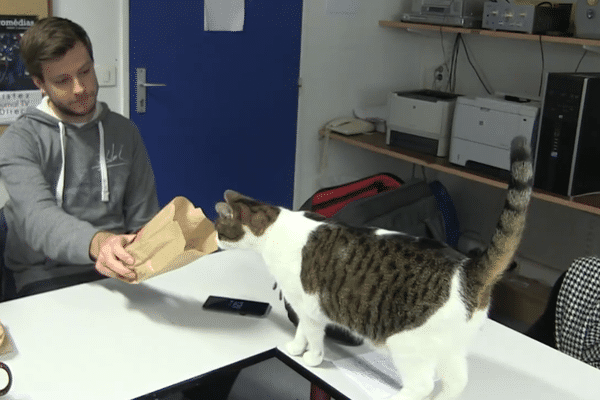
<point x="543" y="66"/>
<point x="454" y="65"/>
<point x="580" y="60"/>
<point x="450" y="68"/>
<point x="453" y="68"/>
<point x="472" y="65"/>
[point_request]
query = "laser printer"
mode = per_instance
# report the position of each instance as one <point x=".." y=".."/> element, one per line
<point x="420" y="120"/>
<point x="483" y="128"/>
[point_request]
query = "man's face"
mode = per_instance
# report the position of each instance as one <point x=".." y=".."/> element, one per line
<point x="70" y="83"/>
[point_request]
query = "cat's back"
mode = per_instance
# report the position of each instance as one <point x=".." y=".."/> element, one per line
<point x="377" y="282"/>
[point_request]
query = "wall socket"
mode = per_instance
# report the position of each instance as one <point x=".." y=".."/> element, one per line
<point x="441" y="75"/>
<point x="435" y="77"/>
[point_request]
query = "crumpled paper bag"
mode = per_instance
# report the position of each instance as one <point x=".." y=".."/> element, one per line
<point x="6" y="345"/>
<point x="176" y="236"/>
<point x="2" y="337"/>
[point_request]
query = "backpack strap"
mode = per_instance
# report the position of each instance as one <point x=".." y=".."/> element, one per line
<point x="446" y="207"/>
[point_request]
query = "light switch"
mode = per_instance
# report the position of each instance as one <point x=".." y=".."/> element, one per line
<point x="107" y="75"/>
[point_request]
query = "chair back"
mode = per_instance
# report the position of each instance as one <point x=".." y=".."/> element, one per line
<point x="578" y="311"/>
<point x="7" y="283"/>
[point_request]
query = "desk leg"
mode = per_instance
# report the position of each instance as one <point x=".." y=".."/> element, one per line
<point x="316" y="393"/>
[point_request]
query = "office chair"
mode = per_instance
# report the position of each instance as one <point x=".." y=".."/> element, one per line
<point x="571" y="321"/>
<point x="578" y="311"/>
<point x="7" y="284"/>
<point x="543" y="329"/>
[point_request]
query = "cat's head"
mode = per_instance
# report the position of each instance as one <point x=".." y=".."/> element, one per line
<point x="243" y="221"/>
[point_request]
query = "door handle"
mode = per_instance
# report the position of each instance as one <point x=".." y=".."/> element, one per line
<point x="140" y="89"/>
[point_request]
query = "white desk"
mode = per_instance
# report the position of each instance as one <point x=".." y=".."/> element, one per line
<point x="112" y="340"/>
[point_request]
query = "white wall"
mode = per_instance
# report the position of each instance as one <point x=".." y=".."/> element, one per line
<point x="347" y="61"/>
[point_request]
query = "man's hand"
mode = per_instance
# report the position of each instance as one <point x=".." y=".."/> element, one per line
<point x="112" y="260"/>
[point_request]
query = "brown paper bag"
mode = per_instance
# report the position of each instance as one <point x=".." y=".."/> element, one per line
<point x="6" y="345"/>
<point x="176" y="236"/>
<point x="2" y="337"/>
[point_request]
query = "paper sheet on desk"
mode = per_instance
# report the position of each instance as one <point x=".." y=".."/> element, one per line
<point x="224" y="15"/>
<point x="374" y="372"/>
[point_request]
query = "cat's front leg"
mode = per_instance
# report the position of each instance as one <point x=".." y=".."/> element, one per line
<point x="314" y="357"/>
<point x="297" y="346"/>
<point x="309" y="336"/>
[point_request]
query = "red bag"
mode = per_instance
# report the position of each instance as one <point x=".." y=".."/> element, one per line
<point x="329" y="201"/>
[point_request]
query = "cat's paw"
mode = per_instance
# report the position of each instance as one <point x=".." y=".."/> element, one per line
<point x="313" y="358"/>
<point x="296" y="347"/>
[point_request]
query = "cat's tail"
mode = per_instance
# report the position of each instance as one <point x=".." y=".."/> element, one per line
<point x="492" y="263"/>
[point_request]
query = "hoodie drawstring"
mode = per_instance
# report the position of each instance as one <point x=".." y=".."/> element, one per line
<point x="60" y="186"/>
<point x="103" y="168"/>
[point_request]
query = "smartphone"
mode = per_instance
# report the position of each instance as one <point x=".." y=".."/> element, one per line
<point x="239" y="306"/>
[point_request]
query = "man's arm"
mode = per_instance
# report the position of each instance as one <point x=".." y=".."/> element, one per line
<point x="46" y="227"/>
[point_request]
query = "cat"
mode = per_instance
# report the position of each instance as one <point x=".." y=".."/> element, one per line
<point x="422" y="299"/>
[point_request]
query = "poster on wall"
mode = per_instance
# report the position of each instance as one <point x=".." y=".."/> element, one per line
<point x="17" y="90"/>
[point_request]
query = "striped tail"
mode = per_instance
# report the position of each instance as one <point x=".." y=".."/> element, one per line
<point x="509" y="230"/>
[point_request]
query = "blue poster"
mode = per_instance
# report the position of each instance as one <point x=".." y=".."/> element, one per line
<point x="17" y="91"/>
<point x="13" y="75"/>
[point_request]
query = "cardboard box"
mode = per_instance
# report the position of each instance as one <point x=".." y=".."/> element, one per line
<point x="41" y="8"/>
<point x="520" y="299"/>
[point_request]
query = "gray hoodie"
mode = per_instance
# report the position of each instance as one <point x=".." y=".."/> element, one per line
<point x="66" y="183"/>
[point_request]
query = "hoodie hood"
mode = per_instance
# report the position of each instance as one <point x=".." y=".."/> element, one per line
<point x="38" y="114"/>
<point x="43" y="114"/>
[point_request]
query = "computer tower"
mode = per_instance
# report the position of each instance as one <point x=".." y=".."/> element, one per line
<point x="567" y="160"/>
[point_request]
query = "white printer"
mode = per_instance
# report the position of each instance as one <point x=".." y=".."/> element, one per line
<point x="483" y="128"/>
<point x="420" y="120"/>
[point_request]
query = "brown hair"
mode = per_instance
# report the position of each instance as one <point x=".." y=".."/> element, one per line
<point x="51" y="38"/>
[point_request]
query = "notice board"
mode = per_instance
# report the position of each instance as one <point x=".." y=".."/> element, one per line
<point x="38" y="8"/>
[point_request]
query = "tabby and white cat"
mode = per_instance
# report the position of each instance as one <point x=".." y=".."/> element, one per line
<point x="418" y="297"/>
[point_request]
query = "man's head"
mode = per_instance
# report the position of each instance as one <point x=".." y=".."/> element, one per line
<point x="58" y="55"/>
<point x="48" y="39"/>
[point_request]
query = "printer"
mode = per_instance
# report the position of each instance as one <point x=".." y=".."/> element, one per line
<point x="420" y="120"/>
<point x="483" y="128"/>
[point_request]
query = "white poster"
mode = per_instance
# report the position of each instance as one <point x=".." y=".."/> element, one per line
<point x="14" y="103"/>
<point x="224" y="15"/>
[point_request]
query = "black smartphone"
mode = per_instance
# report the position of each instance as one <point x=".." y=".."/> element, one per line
<point x="239" y="306"/>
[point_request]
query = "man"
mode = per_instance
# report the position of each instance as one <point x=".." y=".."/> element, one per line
<point x="78" y="175"/>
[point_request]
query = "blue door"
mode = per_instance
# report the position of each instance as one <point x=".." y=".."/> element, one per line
<point x="226" y="118"/>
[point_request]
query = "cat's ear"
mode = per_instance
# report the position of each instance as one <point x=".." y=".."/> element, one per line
<point x="232" y="195"/>
<point x="224" y="210"/>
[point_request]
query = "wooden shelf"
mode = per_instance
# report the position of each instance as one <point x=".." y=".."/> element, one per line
<point x="375" y="142"/>
<point x="486" y="32"/>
